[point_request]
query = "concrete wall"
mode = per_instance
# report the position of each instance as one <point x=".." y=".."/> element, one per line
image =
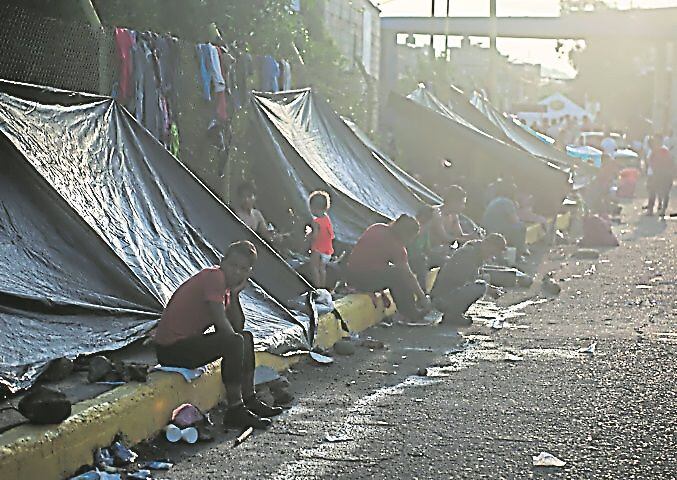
<point x="347" y="21"/>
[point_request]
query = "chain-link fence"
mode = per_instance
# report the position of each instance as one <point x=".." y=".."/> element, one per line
<point x="75" y="56"/>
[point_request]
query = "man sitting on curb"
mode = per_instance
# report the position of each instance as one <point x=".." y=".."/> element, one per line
<point x="211" y="299"/>
<point x="379" y="261"/>
<point x="457" y="286"/>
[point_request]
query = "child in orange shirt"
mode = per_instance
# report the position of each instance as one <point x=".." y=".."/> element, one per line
<point x="321" y="239"/>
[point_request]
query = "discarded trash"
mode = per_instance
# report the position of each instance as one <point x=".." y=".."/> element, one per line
<point x="343" y="347"/>
<point x="264" y="374"/>
<point x="433" y="317"/>
<point x="243" y="436"/>
<point x="337" y="438"/>
<point x="545" y="459"/>
<point x="321" y="359"/>
<point x="189" y="435"/>
<point x="121" y="454"/>
<point x="186" y="415"/>
<point x="422" y="372"/>
<point x="511" y="357"/>
<point x="103" y="458"/>
<point x="592" y="270"/>
<point x="99" y="367"/>
<point x="43" y="405"/>
<point x="643" y="287"/>
<point x="173" y="434"/>
<point x="58" y="369"/>
<point x="97" y="475"/>
<point x="157" y="465"/>
<point x="140" y="475"/>
<point x="589" y="349"/>
<point x="323" y="302"/>
<point x="497" y="324"/>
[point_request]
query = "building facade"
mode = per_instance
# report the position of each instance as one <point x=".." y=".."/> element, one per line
<point x="356" y="29"/>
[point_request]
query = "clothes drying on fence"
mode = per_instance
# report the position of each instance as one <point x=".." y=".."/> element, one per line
<point x="269" y="74"/>
<point x="123" y="44"/>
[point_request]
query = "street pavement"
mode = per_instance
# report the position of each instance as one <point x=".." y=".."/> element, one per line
<point x="494" y="398"/>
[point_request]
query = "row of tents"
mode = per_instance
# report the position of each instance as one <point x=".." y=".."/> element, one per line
<point x="100" y="224"/>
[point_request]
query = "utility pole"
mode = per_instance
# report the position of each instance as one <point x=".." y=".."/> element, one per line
<point x="493" y="52"/>
<point x="432" y="14"/>
<point x="446" y="36"/>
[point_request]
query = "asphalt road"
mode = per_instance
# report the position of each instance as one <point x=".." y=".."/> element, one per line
<point x="493" y="398"/>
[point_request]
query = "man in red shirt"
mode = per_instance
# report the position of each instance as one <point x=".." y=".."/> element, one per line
<point x="661" y="175"/>
<point x="379" y="261"/>
<point x="211" y="299"/>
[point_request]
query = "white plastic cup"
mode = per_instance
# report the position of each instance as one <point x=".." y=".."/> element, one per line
<point x="172" y="433"/>
<point x="189" y="435"/>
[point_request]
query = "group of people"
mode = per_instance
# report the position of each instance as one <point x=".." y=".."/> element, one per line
<point x="204" y="322"/>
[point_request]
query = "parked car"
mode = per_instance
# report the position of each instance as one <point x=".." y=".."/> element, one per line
<point x="624" y="153"/>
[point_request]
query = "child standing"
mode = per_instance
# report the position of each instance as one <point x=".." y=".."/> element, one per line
<point x="321" y="239"/>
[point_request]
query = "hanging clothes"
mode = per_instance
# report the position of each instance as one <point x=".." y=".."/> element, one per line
<point x="167" y="50"/>
<point x="204" y="56"/>
<point x="174" y="143"/>
<point x="270" y="71"/>
<point x="286" y="75"/>
<point x="215" y="72"/>
<point x="123" y="44"/>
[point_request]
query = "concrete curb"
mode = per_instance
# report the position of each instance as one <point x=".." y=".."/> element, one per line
<point x="138" y="411"/>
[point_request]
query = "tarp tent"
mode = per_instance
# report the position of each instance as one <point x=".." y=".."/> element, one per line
<point x="301" y="144"/>
<point x="513" y="132"/>
<point x="99" y="225"/>
<point x="444" y="149"/>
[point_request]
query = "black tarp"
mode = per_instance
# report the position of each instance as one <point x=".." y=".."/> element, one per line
<point x="511" y="131"/>
<point x="446" y="148"/>
<point x="301" y="145"/>
<point x="99" y="225"/>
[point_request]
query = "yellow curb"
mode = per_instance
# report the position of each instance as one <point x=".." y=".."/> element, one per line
<point x="139" y="411"/>
<point x="563" y="221"/>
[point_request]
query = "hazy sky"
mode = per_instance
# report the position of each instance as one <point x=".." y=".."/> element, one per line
<point x="525" y="50"/>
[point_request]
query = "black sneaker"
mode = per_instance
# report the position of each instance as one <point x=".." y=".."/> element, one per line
<point x="259" y="408"/>
<point x="240" y="417"/>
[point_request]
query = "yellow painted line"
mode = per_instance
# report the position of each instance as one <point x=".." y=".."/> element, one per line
<point x="140" y="410"/>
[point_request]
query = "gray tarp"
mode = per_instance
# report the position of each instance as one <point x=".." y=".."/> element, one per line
<point x="302" y="145"/>
<point x="99" y="225"/>
<point x="443" y="148"/>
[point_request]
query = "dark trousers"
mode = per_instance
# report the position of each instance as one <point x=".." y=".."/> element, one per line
<point x="394" y="279"/>
<point x="457" y="300"/>
<point x="236" y="352"/>
<point x="659" y="188"/>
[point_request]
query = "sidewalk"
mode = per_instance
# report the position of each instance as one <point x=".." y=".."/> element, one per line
<point x="138" y="411"/>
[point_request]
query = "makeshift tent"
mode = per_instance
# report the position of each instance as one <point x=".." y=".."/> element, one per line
<point x="445" y="149"/>
<point x="301" y="145"/>
<point x="99" y="225"/>
<point x="511" y="131"/>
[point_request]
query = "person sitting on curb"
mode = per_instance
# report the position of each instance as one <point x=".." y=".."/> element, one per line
<point x="379" y="261"/>
<point x="457" y="285"/>
<point x="501" y="217"/>
<point x="446" y="226"/>
<point x="211" y="299"/>
<point x="253" y="218"/>
<point x="420" y="249"/>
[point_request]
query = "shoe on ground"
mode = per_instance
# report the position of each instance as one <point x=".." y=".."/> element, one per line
<point x="240" y="417"/>
<point x="257" y="407"/>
